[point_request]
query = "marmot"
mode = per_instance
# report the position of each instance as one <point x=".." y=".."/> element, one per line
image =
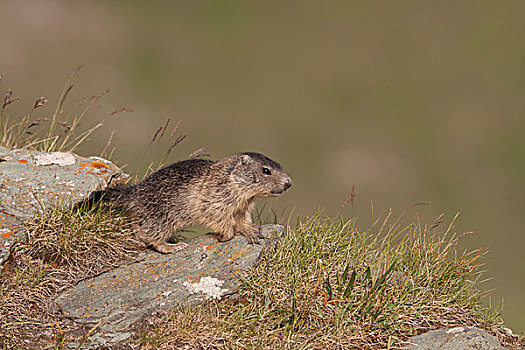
<point x="216" y="194"/>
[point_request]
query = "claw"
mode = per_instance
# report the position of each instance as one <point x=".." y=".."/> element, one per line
<point x="252" y="234"/>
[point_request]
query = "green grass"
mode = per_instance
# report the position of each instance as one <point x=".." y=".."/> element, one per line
<point x="329" y="285"/>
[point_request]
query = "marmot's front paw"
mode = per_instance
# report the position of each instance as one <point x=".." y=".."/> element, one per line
<point x="252" y="233"/>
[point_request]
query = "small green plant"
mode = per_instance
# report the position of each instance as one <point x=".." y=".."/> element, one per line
<point x="59" y="131"/>
<point x="328" y="284"/>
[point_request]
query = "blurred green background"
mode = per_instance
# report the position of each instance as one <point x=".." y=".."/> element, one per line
<point x="409" y="101"/>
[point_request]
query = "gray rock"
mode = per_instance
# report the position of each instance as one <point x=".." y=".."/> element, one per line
<point x="206" y="269"/>
<point x="458" y="338"/>
<point x="31" y="181"/>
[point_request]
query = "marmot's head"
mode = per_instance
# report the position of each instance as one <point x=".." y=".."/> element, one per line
<point x="261" y="176"/>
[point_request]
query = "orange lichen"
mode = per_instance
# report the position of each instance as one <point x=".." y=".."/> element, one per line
<point x="7" y="234"/>
<point x="99" y="165"/>
<point x="22" y="161"/>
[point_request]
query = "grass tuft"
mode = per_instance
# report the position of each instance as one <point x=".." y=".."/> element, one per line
<point x="63" y="247"/>
<point x="79" y="241"/>
<point x="329" y="285"/>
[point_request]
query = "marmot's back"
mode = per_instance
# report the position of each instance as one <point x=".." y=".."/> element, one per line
<point x="178" y="174"/>
<point x="173" y="179"/>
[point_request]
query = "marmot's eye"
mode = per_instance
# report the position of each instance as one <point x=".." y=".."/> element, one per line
<point x="266" y="171"/>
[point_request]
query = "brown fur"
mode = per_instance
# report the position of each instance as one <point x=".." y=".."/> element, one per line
<point x="219" y="195"/>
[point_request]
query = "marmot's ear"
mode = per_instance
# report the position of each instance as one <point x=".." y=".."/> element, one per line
<point x="245" y="159"/>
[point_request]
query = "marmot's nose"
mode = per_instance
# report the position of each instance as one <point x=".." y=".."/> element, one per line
<point x="288" y="183"/>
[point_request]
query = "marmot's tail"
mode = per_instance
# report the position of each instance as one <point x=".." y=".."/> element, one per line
<point x="115" y="195"/>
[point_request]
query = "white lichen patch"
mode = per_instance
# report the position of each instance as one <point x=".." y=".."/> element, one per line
<point x="456" y="330"/>
<point x="166" y="293"/>
<point x="57" y="158"/>
<point x="99" y="159"/>
<point x="209" y="286"/>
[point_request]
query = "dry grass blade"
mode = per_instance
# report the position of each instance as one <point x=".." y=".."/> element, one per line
<point x="420" y="204"/>
<point x="106" y="147"/>
<point x="178" y="140"/>
<point x="89" y="333"/>
<point x="351" y="198"/>
<point x="160" y="131"/>
<point x="155" y="136"/>
<point x="164" y="129"/>
<point x="199" y="153"/>
<point x="102" y="94"/>
<point x="175" y="128"/>
<point x="75" y="71"/>
<point x="42" y="100"/>
<point x="121" y="110"/>
<point x="36" y="122"/>
<point x="8" y="99"/>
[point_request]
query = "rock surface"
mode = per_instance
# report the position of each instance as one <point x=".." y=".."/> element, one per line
<point x="206" y="269"/>
<point x="31" y="181"/>
<point x="458" y="338"/>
